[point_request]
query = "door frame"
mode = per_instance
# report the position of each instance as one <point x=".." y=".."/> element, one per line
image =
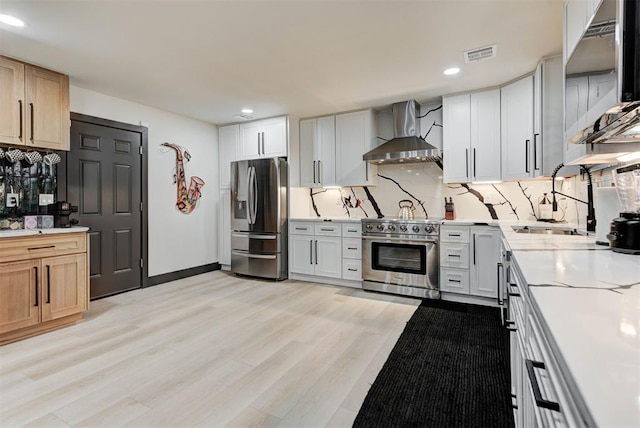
<point x="144" y="219"/>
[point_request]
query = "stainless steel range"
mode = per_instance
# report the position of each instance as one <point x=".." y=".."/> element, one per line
<point x="401" y="257"/>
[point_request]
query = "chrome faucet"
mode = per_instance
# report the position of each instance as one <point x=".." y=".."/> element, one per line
<point x="591" y="213"/>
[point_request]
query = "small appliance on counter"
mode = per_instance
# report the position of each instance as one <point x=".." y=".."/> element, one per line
<point x="625" y="230"/>
<point x="61" y="211"/>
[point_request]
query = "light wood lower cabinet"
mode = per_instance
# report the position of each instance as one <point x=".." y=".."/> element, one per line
<point x="43" y="291"/>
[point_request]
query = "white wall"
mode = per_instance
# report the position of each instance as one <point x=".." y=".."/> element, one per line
<point x="176" y="241"/>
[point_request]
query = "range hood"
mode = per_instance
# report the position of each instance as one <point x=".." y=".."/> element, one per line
<point x="605" y="67"/>
<point x="407" y="146"/>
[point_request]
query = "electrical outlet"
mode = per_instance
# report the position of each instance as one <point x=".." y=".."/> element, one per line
<point x="45" y="199"/>
<point x="12" y="200"/>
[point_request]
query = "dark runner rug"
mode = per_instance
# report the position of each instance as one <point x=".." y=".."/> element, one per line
<point x="449" y="368"/>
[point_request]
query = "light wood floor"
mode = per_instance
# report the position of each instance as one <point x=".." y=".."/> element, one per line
<point x="210" y="350"/>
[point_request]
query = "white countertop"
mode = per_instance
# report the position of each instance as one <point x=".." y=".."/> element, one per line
<point x="589" y="304"/>
<point x="325" y="219"/>
<point x="29" y="232"/>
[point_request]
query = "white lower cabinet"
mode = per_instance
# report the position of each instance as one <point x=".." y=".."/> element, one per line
<point x="326" y="250"/>
<point x="469" y="257"/>
<point x="224" y="227"/>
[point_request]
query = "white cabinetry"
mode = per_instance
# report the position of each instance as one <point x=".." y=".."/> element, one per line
<point x="228" y="137"/>
<point x="224" y="227"/>
<point x="517" y="102"/>
<point x="471" y="137"/>
<point x="469" y="257"/>
<point x="265" y="138"/>
<point x="328" y="252"/>
<point x="355" y="135"/>
<point x="318" y="152"/>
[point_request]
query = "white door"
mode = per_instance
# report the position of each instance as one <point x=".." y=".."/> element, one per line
<point x="485" y="255"/>
<point x="308" y="169"/>
<point x="224" y="227"/>
<point x="354" y="133"/>
<point x="485" y="136"/>
<point x="516" y="107"/>
<point x="326" y="150"/>
<point x="274" y="139"/>
<point x="456" y="138"/>
<point x="302" y="254"/>
<point x="250" y="140"/>
<point x="228" y="137"/>
<point x="328" y="256"/>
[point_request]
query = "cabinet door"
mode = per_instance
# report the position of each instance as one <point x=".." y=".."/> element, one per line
<point x="308" y="157"/>
<point x="355" y="134"/>
<point x="456" y="138"/>
<point x="485" y="136"/>
<point x="516" y="106"/>
<point x="19" y="295"/>
<point x="12" y="102"/>
<point x="250" y="140"/>
<point x="274" y="139"/>
<point x="228" y="138"/>
<point x="64" y="286"/>
<point x="224" y="228"/>
<point x="326" y="150"/>
<point x="302" y="251"/>
<point x="485" y="256"/>
<point x="328" y="257"/>
<point x="47" y="104"/>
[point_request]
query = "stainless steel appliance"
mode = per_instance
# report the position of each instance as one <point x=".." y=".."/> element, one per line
<point x="401" y="257"/>
<point x="259" y="218"/>
<point x="625" y="230"/>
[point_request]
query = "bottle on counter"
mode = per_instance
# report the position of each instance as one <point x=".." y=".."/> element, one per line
<point x="449" y="209"/>
<point x="545" y="211"/>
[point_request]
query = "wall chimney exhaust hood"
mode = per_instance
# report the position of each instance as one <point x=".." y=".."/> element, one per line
<point x="605" y="69"/>
<point x="407" y="146"/>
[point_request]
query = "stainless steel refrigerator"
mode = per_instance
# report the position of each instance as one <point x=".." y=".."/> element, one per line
<point x="259" y="218"/>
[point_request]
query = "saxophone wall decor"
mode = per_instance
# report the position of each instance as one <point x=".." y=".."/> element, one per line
<point x="186" y="198"/>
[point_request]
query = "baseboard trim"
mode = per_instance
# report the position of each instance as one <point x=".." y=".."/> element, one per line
<point x="184" y="273"/>
<point x="474" y="300"/>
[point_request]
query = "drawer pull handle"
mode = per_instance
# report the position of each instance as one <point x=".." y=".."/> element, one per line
<point x="540" y="402"/>
<point x="454" y="234"/>
<point x="48" y="284"/>
<point x="36" y="269"/>
<point x="454" y="280"/>
<point x="512" y="329"/>
<point x="41" y="248"/>
<point x="453" y="255"/>
<point x="327" y="230"/>
<point x="352" y="230"/>
<point x="352" y="270"/>
<point x="302" y="228"/>
<point x="352" y="248"/>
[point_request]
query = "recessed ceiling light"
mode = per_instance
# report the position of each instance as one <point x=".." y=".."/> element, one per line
<point x="246" y="111"/>
<point x="10" y="20"/>
<point x="452" y="70"/>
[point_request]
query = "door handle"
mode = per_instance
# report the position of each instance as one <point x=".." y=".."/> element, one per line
<point x="263" y="143"/>
<point x="258" y="143"/>
<point x="36" y="269"/>
<point x="316" y="251"/>
<point x="537" y="395"/>
<point x="255" y="256"/>
<point x="474" y="163"/>
<point x="255" y="196"/>
<point x="526" y="156"/>
<point x="535" y="152"/>
<point x="310" y="251"/>
<point x="20" y="129"/>
<point x="314" y="171"/>
<point x="48" y="284"/>
<point x="500" y="300"/>
<point x="466" y="162"/>
<point x="474" y="248"/>
<point x="32" y="120"/>
<point x="319" y="172"/>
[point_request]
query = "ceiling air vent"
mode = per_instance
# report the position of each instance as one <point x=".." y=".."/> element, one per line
<point x="480" y="53"/>
<point x="600" y="29"/>
<point x="243" y="116"/>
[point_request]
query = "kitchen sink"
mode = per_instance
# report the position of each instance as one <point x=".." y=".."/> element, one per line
<point x="548" y="231"/>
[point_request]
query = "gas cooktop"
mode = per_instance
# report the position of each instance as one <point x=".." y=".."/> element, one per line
<point x="415" y="227"/>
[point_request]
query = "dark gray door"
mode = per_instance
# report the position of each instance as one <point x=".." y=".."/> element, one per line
<point x="104" y="179"/>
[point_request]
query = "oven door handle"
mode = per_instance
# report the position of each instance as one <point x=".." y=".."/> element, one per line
<point x="408" y="241"/>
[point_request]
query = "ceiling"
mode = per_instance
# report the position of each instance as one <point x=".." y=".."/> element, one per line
<point x="208" y="59"/>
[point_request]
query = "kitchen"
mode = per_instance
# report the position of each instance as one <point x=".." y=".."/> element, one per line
<point x="188" y="250"/>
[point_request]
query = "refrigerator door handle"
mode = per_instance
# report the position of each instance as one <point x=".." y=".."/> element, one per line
<point x="254" y="198"/>
<point x="249" y="196"/>
<point x="252" y="236"/>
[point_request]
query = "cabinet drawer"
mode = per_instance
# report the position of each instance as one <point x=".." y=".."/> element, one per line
<point x="454" y="234"/>
<point x="300" y="228"/>
<point x="324" y="229"/>
<point x="454" y="255"/>
<point x="352" y="230"/>
<point x="352" y="269"/>
<point x="352" y="248"/>
<point x="454" y="280"/>
<point x="35" y="247"/>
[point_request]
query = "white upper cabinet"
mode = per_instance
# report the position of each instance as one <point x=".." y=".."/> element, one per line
<point x="228" y="138"/>
<point x="318" y="152"/>
<point x="355" y="136"/>
<point x="548" y="134"/>
<point x="265" y="138"/>
<point x="471" y="137"/>
<point x="517" y="103"/>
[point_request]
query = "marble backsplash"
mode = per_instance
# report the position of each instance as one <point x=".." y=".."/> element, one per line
<point x="422" y="184"/>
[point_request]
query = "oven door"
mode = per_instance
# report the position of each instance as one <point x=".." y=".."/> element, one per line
<point x="400" y="261"/>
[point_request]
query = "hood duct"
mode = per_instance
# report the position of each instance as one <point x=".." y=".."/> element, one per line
<point x="407" y="146"/>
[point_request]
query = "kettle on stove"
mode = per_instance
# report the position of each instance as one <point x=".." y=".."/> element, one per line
<point x="406" y="210"/>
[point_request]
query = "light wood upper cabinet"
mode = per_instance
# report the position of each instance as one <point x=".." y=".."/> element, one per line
<point x="34" y="106"/>
<point x="12" y="102"/>
<point x="355" y="136"/>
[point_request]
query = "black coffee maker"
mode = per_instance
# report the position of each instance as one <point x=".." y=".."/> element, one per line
<point x="625" y="230"/>
<point x="61" y="211"/>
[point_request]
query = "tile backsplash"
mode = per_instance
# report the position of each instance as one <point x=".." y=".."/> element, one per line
<point x="422" y="184"/>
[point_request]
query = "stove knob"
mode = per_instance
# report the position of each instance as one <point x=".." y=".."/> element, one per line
<point x="368" y="227"/>
<point x="391" y="227"/>
<point x="429" y="229"/>
<point x="380" y="227"/>
<point x="403" y="228"/>
<point x="415" y="229"/>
